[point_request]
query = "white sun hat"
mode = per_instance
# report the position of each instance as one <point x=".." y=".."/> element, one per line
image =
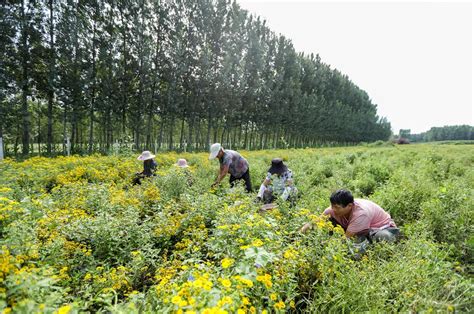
<point x="215" y="148"/>
<point x="182" y="163"/>
<point x="146" y="155"/>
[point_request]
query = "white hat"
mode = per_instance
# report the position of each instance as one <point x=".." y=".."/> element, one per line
<point x="182" y="163"/>
<point x="146" y="155"/>
<point x="215" y="148"/>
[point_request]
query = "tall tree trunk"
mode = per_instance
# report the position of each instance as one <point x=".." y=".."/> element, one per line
<point x="49" y="136"/>
<point x="190" y="134"/>
<point x="229" y="130"/>
<point x="237" y="145"/>
<point x="246" y="135"/>
<point x="235" y="136"/>
<point x="171" y="130"/>
<point x="198" y="133"/>
<point x="91" y="126"/>
<point x="93" y="78"/>
<point x="124" y="76"/>
<point x="209" y="121"/>
<point x="64" y="129"/>
<point x="216" y="130"/>
<point x="252" y="137"/>
<point x="39" y="132"/>
<point x="74" y="135"/>
<point x="222" y="136"/>
<point x="181" y="138"/>
<point x="110" y="131"/>
<point x="25" y="88"/>
<point x="1" y="120"/>
<point x="148" y="142"/>
<point x="160" y="137"/>
<point x="275" y="140"/>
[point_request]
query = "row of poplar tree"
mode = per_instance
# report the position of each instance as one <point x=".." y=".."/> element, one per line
<point x="169" y="74"/>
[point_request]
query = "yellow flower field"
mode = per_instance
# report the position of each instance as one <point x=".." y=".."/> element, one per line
<point x="77" y="236"/>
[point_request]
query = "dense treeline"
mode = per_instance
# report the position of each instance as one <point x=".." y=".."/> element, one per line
<point x="174" y="74"/>
<point x="445" y="133"/>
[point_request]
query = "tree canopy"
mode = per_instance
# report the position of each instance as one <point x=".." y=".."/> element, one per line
<point x="175" y="74"/>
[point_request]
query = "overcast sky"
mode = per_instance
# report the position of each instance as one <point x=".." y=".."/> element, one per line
<point x="414" y="59"/>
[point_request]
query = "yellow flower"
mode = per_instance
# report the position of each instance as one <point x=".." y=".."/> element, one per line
<point x="226" y="283"/>
<point x="227" y="262"/>
<point x="273" y="296"/>
<point x="214" y="310"/>
<point x="247" y="282"/>
<point x="224" y="301"/>
<point x="63" y="309"/>
<point x="280" y="305"/>
<point x="257" y="242"/>
<point x="266" y="280"/>
<point x="176" y="299"/>
<point x="290" y="254"/>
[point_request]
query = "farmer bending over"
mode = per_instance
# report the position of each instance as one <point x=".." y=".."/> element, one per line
<point x="360" y="218"/>
<point x="182" y="165"/>
<point x="149" y="167"/>
<point x="278" y="183"/>
<point x="231" y="162"/>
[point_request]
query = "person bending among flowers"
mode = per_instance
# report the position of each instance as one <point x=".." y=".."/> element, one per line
<point x="362" y="219"/>
<point x="182" y="164"/>
<point x="149" y="167"/>
<point x="230" y="162"/>
<point x="278" y="183"/>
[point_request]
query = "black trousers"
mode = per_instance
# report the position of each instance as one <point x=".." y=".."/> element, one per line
<point x="246" y="177"/>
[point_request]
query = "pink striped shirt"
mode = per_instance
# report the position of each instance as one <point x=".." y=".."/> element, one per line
<point x="364" y="216"/>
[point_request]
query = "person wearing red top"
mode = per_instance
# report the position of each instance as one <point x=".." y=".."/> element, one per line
<point x="360" y="218"/>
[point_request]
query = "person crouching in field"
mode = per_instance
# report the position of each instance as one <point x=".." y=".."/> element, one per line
<point x="182" y="164"/>
<point x="230" y="162"/>
<point x="149" y="167"/>
<point x="278" y="183"/>
<point x="362" y="219"/>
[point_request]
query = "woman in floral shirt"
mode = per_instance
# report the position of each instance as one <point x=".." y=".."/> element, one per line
<point x="278" y="183"/>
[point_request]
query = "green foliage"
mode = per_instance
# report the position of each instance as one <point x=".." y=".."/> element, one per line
<point x="77" y="236"/>
<point x="122" y="76"/>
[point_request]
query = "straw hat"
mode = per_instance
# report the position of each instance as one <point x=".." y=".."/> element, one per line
<point x="182" y="163"/>
<point x="146" y="155"/>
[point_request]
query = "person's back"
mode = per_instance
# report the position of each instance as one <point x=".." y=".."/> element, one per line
<point x="149" y="167"/>
<point x="238" y="165"/>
